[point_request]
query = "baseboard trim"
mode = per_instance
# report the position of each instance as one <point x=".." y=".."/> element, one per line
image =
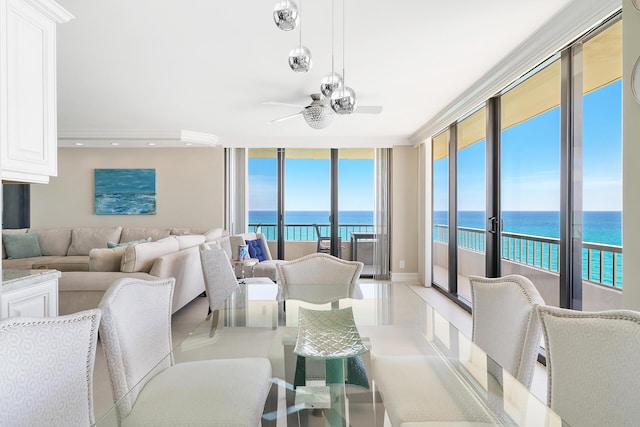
<point x="404" y="277"/>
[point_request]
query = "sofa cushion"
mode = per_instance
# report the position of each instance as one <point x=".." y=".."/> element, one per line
<point x="54" y="241"/>
<point x="21" y="245"/>
<point x="71" y="281"/>
<point x="131" y="234"/>
<point x="256" y="250"/>
<point x="85" y="239"/>
<point x="112" y="245"/>
<point x="63" y="263"/>
<point x="140" y="257"/>
<point x="11" y="231"/>
<point x="188" y="241"/>
<point x="214" y="234"/>
<point x="106" y="259"/>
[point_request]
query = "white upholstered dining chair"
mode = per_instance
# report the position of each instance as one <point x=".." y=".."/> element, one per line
<point x="219" y="279"/>
<point x="149" y="388"/>
<point x="319" y="269"/>
<point x="46" y="370"/>
<point x="592" y="365"/>
<point x="505" y="324"/>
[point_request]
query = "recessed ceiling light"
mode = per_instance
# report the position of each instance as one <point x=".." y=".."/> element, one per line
<point x="151" y="143"/>
<point x="78" y="143"/>
<point x="115" y="143"/>
<point x="188" y="144"/>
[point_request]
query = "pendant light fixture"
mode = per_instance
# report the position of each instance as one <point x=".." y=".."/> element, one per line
<point x="285" y="15"/>
<point x="300" y="57"/>
<point x="343" y="99"/>
<point x="333" y="80"/>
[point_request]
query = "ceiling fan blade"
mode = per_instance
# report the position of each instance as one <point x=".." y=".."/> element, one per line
<point x="286" y="117"/>
<point x="369" y="109"/>
<point x="282" y="104"/>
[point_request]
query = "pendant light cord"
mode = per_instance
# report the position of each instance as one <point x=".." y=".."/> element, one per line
<point x="300" y="12"/>
<point x="344" y="18"/>
<point x="332" y="41"/>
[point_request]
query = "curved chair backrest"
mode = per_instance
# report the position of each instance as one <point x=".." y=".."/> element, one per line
<point x="319" y="269"/>
<point x="505" y="324"/>
<point x="136" y="335"/>
<point x="592" y="364"/>
<point x="46" y="370"/>
<point x="219" y="278"/>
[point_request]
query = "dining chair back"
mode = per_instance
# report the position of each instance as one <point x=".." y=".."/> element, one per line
<point x="592" y="365"/>
<point x="46" y="370"/>
<point x="219" y="277"/>
<point x="505" y="324"/>
<point x="319" y="268"/>
<point x="149" y="389"/>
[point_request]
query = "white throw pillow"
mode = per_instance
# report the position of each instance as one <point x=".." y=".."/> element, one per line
<point x="188" y="241"/>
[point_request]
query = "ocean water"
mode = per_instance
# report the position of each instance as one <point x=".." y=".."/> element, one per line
<point x="598" y="226"/>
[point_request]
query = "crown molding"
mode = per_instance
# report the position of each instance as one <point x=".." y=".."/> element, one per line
<point x="51" y="10"/>
<point x="315" y="142"/>
<point x="134" y="138"/>
<point x="577" y="18"/>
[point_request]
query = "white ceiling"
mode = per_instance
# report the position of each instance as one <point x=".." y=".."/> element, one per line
<point x="135" y="70"/>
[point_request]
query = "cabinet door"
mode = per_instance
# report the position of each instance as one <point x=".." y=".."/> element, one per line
<point x="40" y="300"/>
<point x="29" y="143"/>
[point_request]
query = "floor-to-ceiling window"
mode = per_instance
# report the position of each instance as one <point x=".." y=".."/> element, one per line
<point x="440" y="203"/>
<point x="530" y="179"/>
<point x="319" y="192"/>
<point x="602" y="166"/>
<point x="551" y="150"/>
<point x="471" y="194"/>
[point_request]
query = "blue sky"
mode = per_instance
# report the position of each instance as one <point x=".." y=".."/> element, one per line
<point x="307" y="185"/>
<point x="531" y="161"/>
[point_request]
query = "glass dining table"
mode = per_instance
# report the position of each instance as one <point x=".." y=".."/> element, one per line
<point x="261" y="320"/>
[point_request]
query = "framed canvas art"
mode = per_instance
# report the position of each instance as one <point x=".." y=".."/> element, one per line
<point x="125" y="191"/>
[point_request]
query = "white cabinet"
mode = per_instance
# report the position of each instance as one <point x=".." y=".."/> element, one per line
<point x="29" y="293"/>
<point x="28" y="128"/>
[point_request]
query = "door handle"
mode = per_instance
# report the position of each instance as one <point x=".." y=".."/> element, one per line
<point x="492" y="225"/>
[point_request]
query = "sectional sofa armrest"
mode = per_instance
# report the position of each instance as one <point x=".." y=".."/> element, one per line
<point x="186" y="268"/>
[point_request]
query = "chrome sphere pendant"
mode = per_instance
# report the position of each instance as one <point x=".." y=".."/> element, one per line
<point x="343" y="100"/>
<point x="330" y="83"/>
<point x="286" y="15"/>
<point x="300" y="59"/>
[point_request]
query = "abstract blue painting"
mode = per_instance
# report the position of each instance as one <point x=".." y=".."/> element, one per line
<point x="125" y="191"/>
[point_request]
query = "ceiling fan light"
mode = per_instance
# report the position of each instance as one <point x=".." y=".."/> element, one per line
<point x="343" y="100"/>
<point x="286" y="15"/>
<point x="318" y="116"/>
<point x="300" y="59"/>
<point x="330" y="83"/>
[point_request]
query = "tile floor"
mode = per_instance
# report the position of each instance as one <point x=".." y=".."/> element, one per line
<point x="186" y="319"/>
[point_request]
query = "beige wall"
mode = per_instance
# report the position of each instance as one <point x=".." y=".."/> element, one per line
<point x="404" y="206"/>
<point x="189" y="188"/>
<point x="631" y="155"/>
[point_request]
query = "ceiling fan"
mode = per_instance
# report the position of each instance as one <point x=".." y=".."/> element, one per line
<point x="319" y="114"/>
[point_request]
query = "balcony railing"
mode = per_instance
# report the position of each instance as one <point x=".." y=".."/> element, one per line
<point x="308" y="231"/>
<point x="601" y="264"/>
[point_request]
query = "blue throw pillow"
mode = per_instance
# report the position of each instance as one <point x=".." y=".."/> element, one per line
<point x="256" y="250"/>
<point x="21" y="245"/>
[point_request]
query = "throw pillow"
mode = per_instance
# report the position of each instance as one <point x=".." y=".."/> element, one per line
<point x="256" y="250"/>
<point x="112" y="245"/>
<point x="21" y="245"/>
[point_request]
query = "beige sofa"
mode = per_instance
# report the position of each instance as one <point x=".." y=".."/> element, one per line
<point x="89" y="267"/>
<point x="266" y="268"/>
